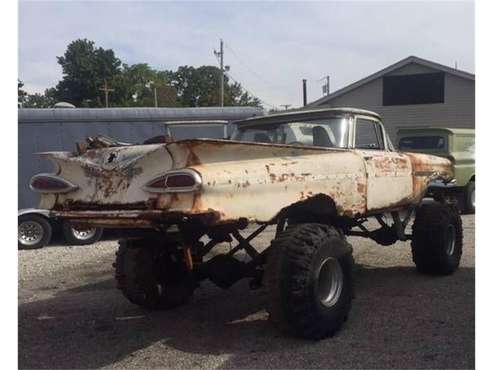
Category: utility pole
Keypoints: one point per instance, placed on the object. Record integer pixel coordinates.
(286, 106)
(220, 54)
(326, 87)
(304, 92)
(155, 97)
(106, 91)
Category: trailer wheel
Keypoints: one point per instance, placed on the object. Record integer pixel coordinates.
(437, 239)
(309, 278)
(80, 236)
(33, 231)
(150, 277)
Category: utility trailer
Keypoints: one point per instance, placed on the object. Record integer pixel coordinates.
(59, 128)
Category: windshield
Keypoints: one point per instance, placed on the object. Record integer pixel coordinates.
(329, 132)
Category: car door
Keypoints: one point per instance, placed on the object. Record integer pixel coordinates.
(389, 173)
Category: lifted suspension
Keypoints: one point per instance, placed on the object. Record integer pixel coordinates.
(224, 269)
(386, 234)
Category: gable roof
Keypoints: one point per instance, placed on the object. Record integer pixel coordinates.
(395, 66)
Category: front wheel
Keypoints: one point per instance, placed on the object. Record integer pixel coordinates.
(309, 280)
(437, 239)
(80, 236)
(33, 231)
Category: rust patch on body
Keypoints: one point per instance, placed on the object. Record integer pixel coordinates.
(361, 188)
(193, 159)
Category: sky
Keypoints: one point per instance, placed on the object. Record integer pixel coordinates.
(269, 46)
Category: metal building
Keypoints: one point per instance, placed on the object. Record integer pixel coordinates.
(411, 92)
(55, 129)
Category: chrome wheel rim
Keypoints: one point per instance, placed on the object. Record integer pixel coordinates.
(83, 234)
(330, 282)
(450, 239)
(30, 233)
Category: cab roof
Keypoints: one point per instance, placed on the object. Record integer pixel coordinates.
(200, 122)
(306, 114)
(427, 129)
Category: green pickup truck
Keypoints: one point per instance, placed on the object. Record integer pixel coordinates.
(456, 144)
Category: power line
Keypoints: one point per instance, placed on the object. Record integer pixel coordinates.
(252, 71)
(220, 57)
(248, 91)
(325, 87)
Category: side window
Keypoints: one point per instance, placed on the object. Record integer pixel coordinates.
(368, 135)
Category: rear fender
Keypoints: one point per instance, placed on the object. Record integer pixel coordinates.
(37, 211)
(319, 208)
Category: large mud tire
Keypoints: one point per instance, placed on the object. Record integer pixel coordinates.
(297, 262)
(437, 239)
(151, 277)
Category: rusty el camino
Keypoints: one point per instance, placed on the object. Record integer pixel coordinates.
(316, 175)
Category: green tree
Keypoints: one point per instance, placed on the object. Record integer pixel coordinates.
(136, 84)
(46, 100)
(21, 94)
(199, 87)
(85, 69)
(236, 95)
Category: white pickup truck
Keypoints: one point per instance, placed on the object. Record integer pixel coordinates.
(316, 175)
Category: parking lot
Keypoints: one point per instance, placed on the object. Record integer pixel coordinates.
(71, 316)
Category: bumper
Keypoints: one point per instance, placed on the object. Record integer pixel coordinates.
(131, 218)
(443, 185)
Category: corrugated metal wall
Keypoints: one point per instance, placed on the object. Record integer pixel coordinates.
(456, 111)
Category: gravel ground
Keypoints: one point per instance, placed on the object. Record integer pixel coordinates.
(71, 316)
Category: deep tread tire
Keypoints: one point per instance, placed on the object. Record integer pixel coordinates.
(149, 277)
(71, 239)
(45, 225)
(469, 204)
(293, 262)
(430, 239)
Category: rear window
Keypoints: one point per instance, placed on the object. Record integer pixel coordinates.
(422, 142)
(204, 131)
